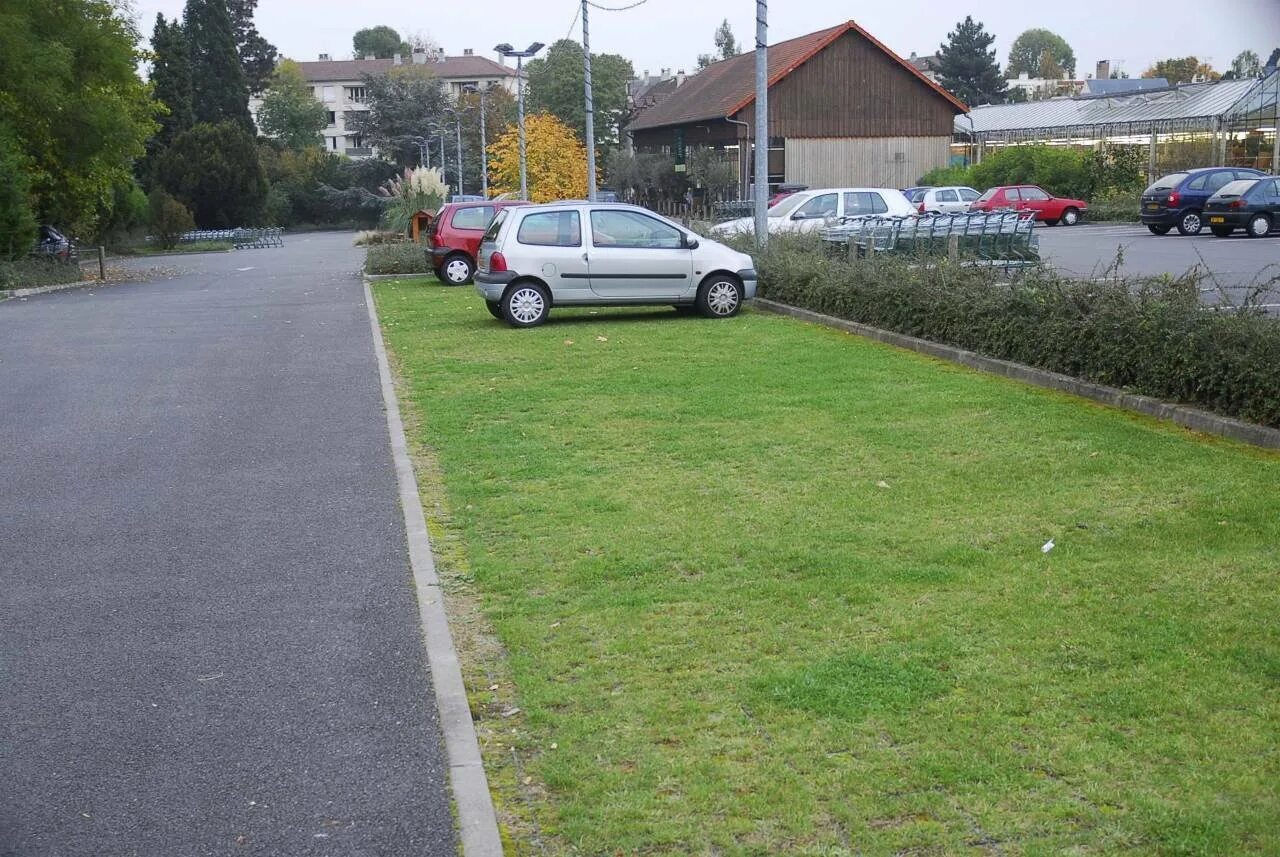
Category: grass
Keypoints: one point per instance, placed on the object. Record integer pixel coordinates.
(757, 587)
(37, 271)
(190, 247)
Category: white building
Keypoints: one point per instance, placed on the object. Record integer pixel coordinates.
(340, 86)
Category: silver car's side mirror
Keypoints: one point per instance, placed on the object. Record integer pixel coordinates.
(690, 242)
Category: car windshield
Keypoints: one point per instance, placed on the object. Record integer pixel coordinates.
(788, 205)
(1168, 182)
(1240, 187)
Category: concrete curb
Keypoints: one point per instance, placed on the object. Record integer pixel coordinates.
(377, 278)
(60, 287)
(477, 820)
(1191, 418)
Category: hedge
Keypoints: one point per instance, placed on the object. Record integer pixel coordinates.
(37, 271)
(397, 259)
(1149, 336)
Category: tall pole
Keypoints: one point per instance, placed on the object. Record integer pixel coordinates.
(762, 123)
(459, 118)
(524, 174)
(484, 152)
(591, 120)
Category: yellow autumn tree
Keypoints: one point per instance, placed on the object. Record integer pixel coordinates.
(556, 160)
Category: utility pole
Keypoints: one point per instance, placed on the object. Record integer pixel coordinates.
(458, 116)
(507, 51)
(591, 120)
(484, 144)
(762, 123)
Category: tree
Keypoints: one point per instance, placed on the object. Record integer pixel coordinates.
(1048, 69)
(403, 106)
(1026, 54)
(257, 55)
(170, 81)
(219, 90)
(726, 46)
(75, 111)
(1119, 74)
(1183, 70)
(557, 160)
(967, 65)
(168, 218)
(1246, 64)
(499, 114)
(17, 220)
(381, 41)
(215, 171)
(556, 84)
(289, 111)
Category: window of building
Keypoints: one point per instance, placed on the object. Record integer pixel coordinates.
(356, 94)
(333, 118)
(329, 95)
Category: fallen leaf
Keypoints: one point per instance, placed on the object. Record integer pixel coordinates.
(493, 687)
(555, 624)
(602, 339)
(1047, 546)
(882, 484)
(555, 746)
(528, 781)
(568, 342)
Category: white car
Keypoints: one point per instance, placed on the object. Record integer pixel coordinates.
(947, 200)
(809, 210)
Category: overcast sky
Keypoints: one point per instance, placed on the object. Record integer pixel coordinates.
(671, 33)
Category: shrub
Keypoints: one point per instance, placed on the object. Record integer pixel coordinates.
(367, 239)
(417, 190)
(1109, 170)
(946, 176)
(169, 219)
(17, 220)
(403, 258)
(1150, 336)
(38, 271)
(216, 171)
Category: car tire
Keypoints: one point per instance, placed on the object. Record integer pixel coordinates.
(1159, 228)
(720, 296)
(495, 309)
(1070, 217)
(1221, 231)
(525, 304)
(1259, 225)
(457, 270)
(1190, 223)
(1051, 222)
(684, 309)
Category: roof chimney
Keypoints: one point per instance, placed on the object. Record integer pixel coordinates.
(680, 77)
(1104, 70)
(371, 56)
(396, 59)
(419, 56)
(324, 58)
(467, 52)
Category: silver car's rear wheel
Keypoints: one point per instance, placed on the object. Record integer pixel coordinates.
(720, 297)
(525, 305)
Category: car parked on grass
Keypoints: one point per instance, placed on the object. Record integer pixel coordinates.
(808, 210)
(945, 200)
(454, 236)
(1048, 208)
(1178, 199)
(1249, 204)
(604, 254)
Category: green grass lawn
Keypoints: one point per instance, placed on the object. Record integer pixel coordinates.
(759, 587)
(189, 247)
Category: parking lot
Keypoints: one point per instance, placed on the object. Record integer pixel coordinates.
(1235, 266)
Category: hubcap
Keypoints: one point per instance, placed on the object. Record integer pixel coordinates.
(1069, 218)
(456, 271)
(526, 305)
(722, 297)
(1191, 222)
(1259, 226)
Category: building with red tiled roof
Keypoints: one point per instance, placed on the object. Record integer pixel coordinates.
(844, 110)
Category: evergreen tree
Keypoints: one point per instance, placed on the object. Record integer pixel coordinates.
(257, 55)
(215, 171)
(381, 41)
(218, 87)
(171, 81)
(967, 65)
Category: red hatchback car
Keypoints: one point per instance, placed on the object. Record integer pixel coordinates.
(455, 236)
(1028, 197)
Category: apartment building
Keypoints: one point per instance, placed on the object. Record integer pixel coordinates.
(339, 85)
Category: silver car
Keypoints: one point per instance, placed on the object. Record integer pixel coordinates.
(604, 254)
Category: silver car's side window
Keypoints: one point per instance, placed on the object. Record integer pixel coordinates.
(551, 229)
(631, 230)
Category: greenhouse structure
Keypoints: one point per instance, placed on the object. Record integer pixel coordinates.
(1224, 123)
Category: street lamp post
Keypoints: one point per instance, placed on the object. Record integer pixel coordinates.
(507, 51)
(484, 144)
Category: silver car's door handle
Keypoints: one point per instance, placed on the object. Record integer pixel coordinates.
(584, 257)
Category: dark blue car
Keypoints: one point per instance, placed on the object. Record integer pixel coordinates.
(1252, 205)
(1178, 199)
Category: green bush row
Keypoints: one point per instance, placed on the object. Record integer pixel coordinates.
(35, 272)
(397, 259)
(1149, 336)
(1078, 173)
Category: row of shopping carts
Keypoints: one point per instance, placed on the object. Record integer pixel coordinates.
(253, 238)
(995, 239)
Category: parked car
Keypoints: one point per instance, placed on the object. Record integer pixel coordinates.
(945, 200)
(604, 254)
(785, 190)
(915, 194)
(1250, 204)
(52, 243)
(809, 210)
(604, 194)
(455, 236)
(1178, 199)
(1028, 197)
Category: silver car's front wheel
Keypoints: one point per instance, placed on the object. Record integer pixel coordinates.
(525, 305)
(720, 297)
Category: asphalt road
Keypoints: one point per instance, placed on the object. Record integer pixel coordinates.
(1233, 266)
(209, 638)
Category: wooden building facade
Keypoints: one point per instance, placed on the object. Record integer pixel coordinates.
(844, 110)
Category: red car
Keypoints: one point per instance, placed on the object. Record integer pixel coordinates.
(455, 236)
(1028, 197)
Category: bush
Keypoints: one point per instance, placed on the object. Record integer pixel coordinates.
(417, 190)
(1115, 207)
(169, 219)
(947, 176)
(38, 271)
(368, 239)
(215, 170)
(17, 220)
(397, 259)
(1150, 336)
(1109, 170)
